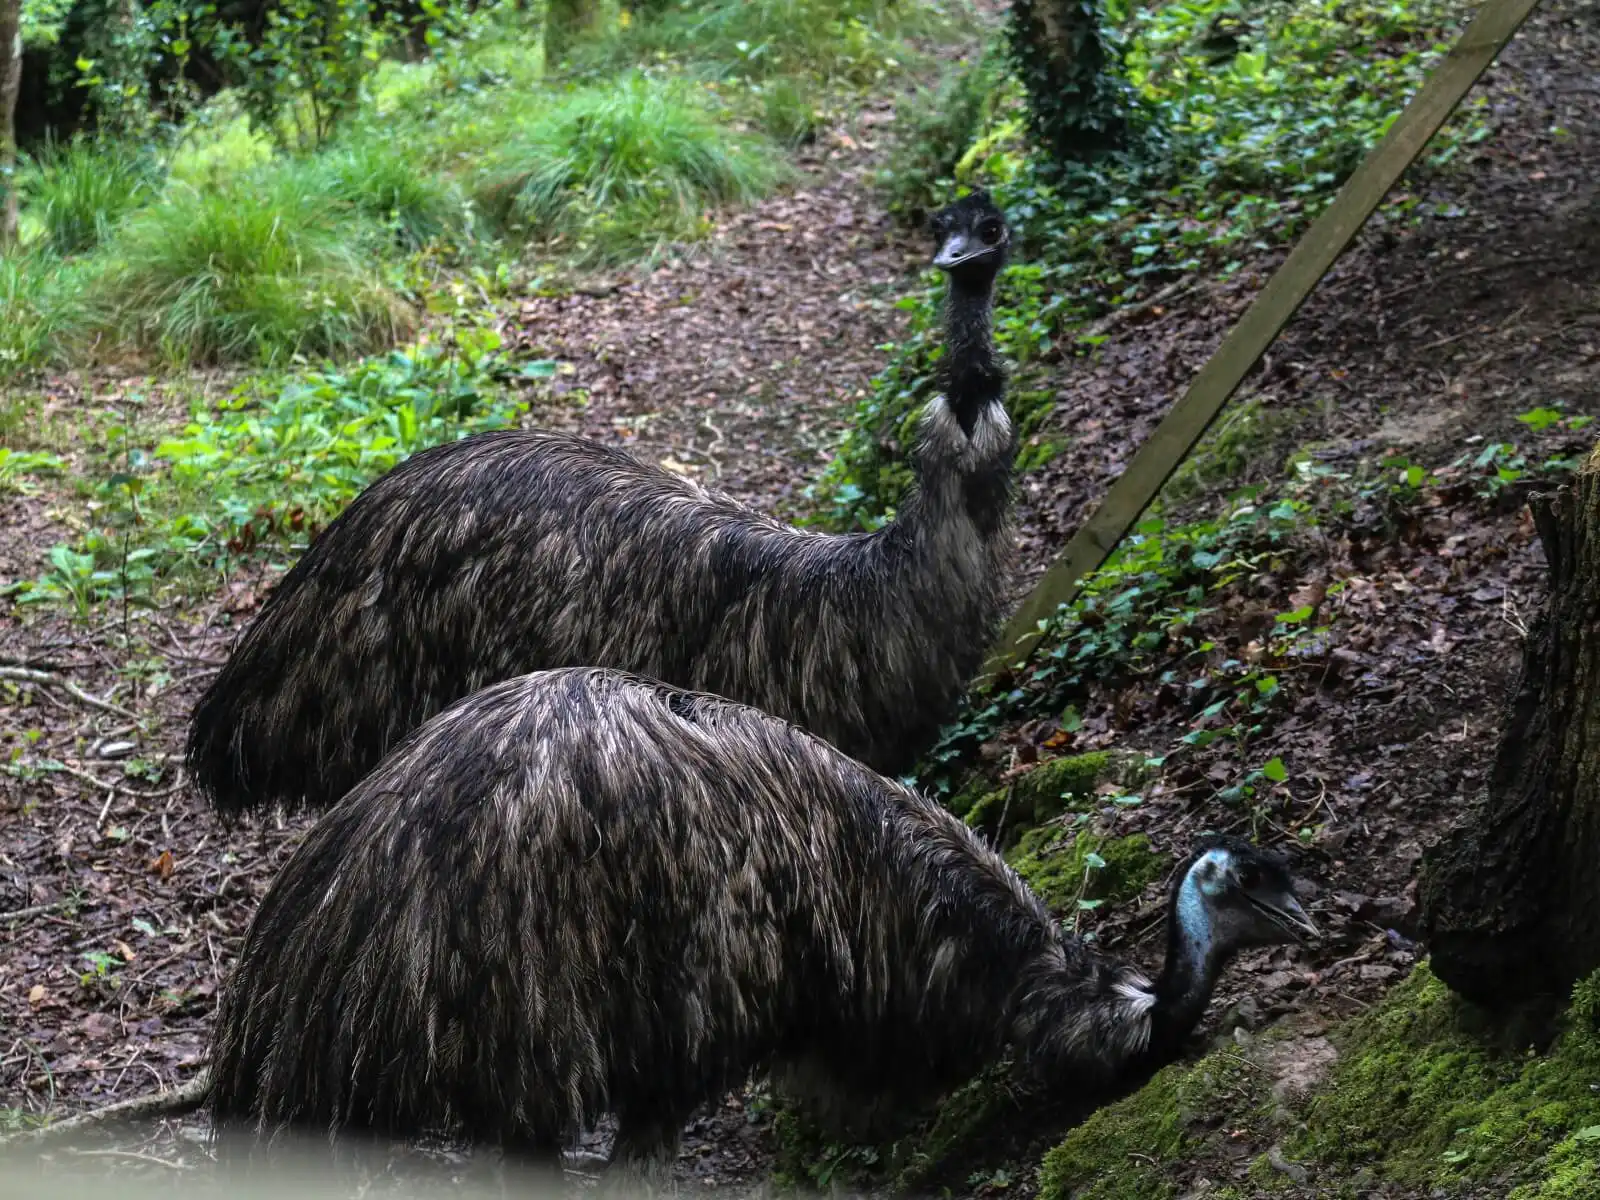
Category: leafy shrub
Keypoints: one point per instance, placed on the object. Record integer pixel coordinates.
(304, 76)
(79, 190)
(610, 170)
(260, 270)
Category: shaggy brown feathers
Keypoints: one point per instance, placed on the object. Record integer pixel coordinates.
(516, 551)
(579, 891)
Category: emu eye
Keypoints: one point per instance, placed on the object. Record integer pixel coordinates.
(990, 232)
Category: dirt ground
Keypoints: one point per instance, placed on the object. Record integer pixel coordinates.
(122, 901)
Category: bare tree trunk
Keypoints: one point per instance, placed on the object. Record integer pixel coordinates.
(1511, 898)
(10, 84)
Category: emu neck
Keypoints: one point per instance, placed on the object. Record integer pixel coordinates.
(1194, 963)
(970, 371)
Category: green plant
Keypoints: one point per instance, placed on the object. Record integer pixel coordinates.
(264, 469)
(1067, 55)
(616, 169)
(42, 309)
(258, 271)
(789, 112)
(79, 190)
(15, 465)
(304, 76)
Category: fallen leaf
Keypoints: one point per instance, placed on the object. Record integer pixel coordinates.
(163, 866)
(36, 995)
(126, 950)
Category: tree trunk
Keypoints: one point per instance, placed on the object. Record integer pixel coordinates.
(1077, 102)
(1511, 898)
(10, 84)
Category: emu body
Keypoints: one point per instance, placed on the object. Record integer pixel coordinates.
(578, 891)
(510, 552)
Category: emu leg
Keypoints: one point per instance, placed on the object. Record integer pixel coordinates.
(1511, 897)
(643, 1155)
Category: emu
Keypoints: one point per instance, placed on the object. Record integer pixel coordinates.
(515, 551)
(579, 891)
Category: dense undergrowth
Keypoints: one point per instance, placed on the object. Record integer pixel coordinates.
(258, 232)
(257, 228)
(1237, 154)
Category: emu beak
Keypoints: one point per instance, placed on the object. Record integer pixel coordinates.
(957, 249)
(1286, 913)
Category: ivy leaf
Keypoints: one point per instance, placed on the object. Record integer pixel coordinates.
(1275, 770)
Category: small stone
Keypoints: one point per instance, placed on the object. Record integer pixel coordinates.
(116, 749)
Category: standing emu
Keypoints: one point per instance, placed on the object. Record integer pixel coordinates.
(517, 551)
(579, 891)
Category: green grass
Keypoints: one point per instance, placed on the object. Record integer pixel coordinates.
(856, 42)
(381, 181)
(613, 171)
(41, 309)
(267, 268)
(78, 191)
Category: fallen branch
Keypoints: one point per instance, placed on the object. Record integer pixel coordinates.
(175, 1103)
(46, 678)
(1127, 312)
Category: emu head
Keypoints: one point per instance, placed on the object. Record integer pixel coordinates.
(1233, 895)
(973, 239)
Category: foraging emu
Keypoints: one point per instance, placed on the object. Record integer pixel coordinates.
(517, 551)
(580, 891)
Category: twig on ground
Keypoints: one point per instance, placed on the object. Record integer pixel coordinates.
(36, 910)
(177, 1102)
(133, 1154)
(50, 679)
(1118, 315)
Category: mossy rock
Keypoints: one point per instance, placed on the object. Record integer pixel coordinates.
(1055, 862)
(1135, 1149)
(1428, 1093)
(1052, 788)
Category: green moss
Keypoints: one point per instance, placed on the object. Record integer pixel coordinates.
(1044, 793)
(1133, 1150)
(963, 1122)
(1055, 861)
(1427, 1093)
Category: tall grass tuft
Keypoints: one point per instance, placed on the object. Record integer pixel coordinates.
(41, 309)
(610, 170)
(78, 191)
(389, 187)
(259, 270)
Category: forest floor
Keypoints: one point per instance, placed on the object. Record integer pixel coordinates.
(122, 901)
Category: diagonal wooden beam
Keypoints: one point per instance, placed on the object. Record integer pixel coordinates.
(1480, 43)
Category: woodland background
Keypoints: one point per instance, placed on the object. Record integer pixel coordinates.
(255, 254)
